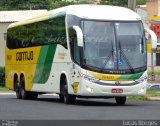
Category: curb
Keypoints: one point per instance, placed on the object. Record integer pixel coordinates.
(154, 98)
(5, 93)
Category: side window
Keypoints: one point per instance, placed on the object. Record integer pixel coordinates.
(75, 50)
(11, 38)
(40, 38)
(51, 31)
(33, 34)
(17, 37)
(57, 31)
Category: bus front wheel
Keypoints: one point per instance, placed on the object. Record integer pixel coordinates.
(67, 98)
(120, 100)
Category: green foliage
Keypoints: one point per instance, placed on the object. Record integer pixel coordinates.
(121, 2)
(57, 4)
(32, 4)
(51, 4)
(150, 93)
(141, 2)
(25, 4)
(138, 98)
(84, 2)
(115, 2)
(2, 76)
(2, 69)
(3, 89)
(154, 73)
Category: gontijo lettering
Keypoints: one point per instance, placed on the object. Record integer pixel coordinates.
(23, 56)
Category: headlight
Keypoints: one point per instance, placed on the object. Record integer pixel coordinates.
(142, 79)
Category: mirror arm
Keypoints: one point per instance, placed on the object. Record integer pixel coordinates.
(79, 35)
(153, 38)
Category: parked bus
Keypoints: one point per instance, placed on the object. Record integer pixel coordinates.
(87, 51)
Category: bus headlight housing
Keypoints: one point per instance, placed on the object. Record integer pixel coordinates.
(142, 79)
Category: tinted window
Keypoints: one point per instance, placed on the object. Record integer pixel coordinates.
(41, 33)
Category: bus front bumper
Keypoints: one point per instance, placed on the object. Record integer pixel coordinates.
(88, 88)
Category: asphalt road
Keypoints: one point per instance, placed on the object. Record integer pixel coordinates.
(50, 108)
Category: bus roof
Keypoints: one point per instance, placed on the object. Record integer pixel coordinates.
(98, 12)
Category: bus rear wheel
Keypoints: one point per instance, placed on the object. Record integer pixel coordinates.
(26, 94)
(17, 88)
(33, 95)
(120, 100)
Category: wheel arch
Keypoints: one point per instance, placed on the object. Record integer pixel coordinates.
(15, 77)
(62, 77)
(22, 77)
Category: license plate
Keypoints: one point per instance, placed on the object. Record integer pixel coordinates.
(117, 90)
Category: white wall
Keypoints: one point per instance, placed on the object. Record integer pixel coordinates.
(158, 7)
(3, 29)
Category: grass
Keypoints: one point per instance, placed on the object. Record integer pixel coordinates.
(154, 73)
(150, 93)
(2, 78)
(4, 90)
(138, 98)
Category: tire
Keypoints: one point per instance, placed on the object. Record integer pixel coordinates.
(25, 94)
(33, 95)
(67, 98)
(61, 97)
(17, 89)
(120, 100)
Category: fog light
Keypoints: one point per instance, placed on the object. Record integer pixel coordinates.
(89, 89)
(142, 91)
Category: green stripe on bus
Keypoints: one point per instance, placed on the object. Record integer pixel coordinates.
(131, 76)
(44, 64)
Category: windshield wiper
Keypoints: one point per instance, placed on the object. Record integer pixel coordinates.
(126, 59)
(107, 58)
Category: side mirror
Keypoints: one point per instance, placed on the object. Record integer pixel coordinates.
(79, 35)
(153, 38)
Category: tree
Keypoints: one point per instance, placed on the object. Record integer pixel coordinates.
(24, 4)
(121, 2)
(32, 4)
(52, 4)
(59, 3)
(84, 2)
(115, 2)
(36, 4)
(141, 2)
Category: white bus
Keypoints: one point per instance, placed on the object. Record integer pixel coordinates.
(87, 51)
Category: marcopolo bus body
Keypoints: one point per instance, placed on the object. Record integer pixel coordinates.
(78, 51)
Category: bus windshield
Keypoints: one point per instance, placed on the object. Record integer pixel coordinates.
(114, 47)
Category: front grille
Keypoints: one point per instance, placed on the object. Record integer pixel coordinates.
(116, 83)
